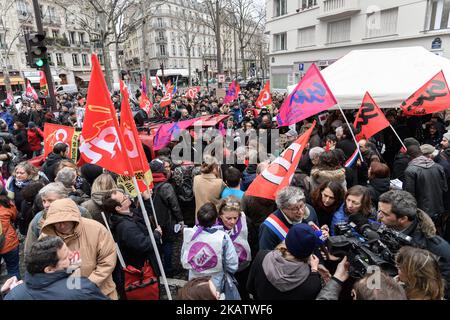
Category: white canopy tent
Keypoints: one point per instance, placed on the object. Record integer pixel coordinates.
(389, 75)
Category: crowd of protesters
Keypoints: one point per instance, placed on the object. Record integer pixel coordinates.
(233, 245)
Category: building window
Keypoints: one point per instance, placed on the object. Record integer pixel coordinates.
(382, 23)
(75, 60)
(339, 31)
(279, 42)
(174, 51)
(307, 37)
(160, 22)
(85, 59)
(100, 58)
(439, 15)
(279, 8)
(55, 33)
(59, 59)
(22, 7)
(306, 4)
(162, 50)
(81, 37)
(72, 37)
(181, 51)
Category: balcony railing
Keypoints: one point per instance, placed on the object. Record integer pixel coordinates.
(52, 20)
(159, 40)
(333, 9)
(61, 64)
(158, 25)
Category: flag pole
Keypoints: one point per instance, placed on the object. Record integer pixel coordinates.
(152, 238)
(396, 134)
(119, 253)
(351, 131)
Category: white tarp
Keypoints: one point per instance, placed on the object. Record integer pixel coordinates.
(389, 75)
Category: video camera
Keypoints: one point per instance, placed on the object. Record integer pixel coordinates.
(366, 244)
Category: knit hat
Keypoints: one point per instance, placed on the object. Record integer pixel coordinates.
(31, 124)
(291, 133)
(90, 172)
(301, 240)
(157, 166)
(427, 149)
(447, 135)
(411, 141)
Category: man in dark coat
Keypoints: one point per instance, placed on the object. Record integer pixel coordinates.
(402, 159)
(48, 276)
(399, 211)
(426, 181)
(443, 158)
(60, 152)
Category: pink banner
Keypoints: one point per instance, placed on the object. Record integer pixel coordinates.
(310, 96)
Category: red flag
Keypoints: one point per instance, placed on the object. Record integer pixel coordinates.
(9, 98)
(168, 84)
(101, 141)
(433, 96)
(264, 98)
(310, 96)
(145, 103)
(280, 172)
(158, 82)
(192, 92)
(55, 133)
(369, 119)
(30, 92)
(167, 99)
(43, 83)
(132, 143)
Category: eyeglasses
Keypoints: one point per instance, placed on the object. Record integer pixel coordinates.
(299, 207)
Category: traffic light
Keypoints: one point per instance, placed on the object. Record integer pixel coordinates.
(37, 51)
(206, 68)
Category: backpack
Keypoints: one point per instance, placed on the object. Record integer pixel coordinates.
(183, 183)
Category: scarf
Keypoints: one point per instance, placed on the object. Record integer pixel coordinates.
(159, 177)
(21, 184)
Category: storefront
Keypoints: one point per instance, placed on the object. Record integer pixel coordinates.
(16, 81)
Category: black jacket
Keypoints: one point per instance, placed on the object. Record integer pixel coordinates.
(21, 140)
(167, 209)
(399, 166)
(348, 146)
(377, 187)
(133, 239)
(50, 164)
(426, 181)
(262, 289)
(54, 286)
(423, 234)
(444, 160)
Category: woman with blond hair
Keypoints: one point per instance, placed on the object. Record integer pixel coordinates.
(208, 185)
(418, 271)
(103, 184)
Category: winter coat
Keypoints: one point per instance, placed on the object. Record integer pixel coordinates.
(319, 176)
(132, 236)
(167, 209)
(272, 277)
(207, 188)
(423, 234)
(8, 119)
(35, 227)
(377, 187)
(53, 286)
(346, 145)
(340, 216)
(21, 140)
(38, 117)
(248, 176)
(331, 290)
(93, 241)
(257, 209)
(7, 217)
(14, 190)
(50, 165)
(35, 137)
(94, 206)
(426, 181)
(268, 239)
(444, 160)
(399, 166)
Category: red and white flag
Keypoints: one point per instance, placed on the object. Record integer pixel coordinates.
(9, 98)
(145, 103)
(192, 92)
(264, 98)
(167, 99)
(101, 142)
(30, 92)
(370, 119)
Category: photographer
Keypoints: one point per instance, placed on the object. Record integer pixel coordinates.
(398, 210)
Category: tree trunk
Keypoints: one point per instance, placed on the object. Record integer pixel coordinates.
(219, 46)
(6, 79)
(189, 68)
(244, 68)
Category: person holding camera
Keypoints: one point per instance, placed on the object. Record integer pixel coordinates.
(398, 210)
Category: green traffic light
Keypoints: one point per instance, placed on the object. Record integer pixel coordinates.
(39, 63)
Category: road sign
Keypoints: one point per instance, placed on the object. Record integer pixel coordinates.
(221, 78)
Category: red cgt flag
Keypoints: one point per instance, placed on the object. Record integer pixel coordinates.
(369, 119)
(145, 103)
(30, 92)
(264, 98)
(280, 172)
(192, 92)
(167, 99)
(43, 83)
(55, 133)
(433, 96)
(133, 144)
(101, 141)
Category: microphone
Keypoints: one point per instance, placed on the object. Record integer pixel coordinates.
(363, 226)
(318, 233)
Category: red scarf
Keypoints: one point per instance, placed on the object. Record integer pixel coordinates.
(159, 177)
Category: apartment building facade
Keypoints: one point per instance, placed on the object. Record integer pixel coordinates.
(302, 32)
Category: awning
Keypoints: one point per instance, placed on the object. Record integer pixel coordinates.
(14, 81)
(34, 77)
(84, 77)
(173, 72)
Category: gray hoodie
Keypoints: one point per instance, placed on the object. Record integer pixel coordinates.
(283, 274)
